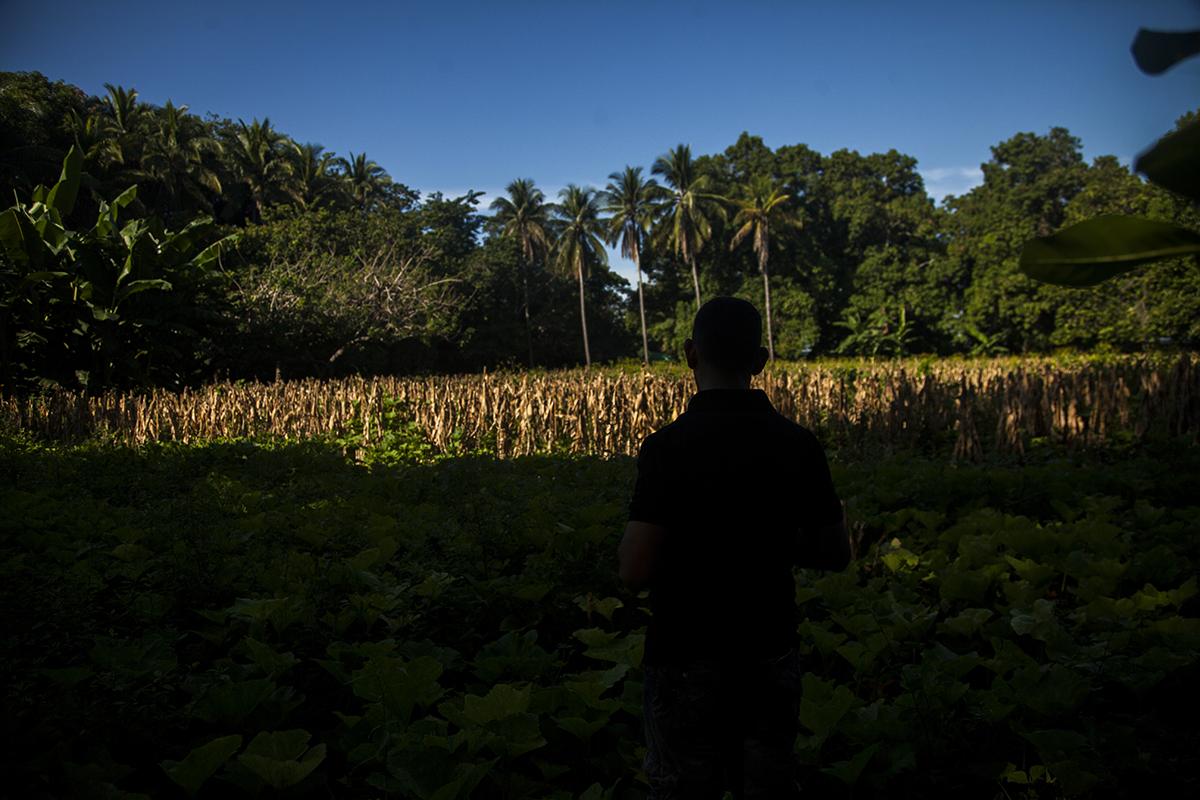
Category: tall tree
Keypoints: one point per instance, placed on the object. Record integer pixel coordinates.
(762, 202)
(633, 205)
(524, 216)
(580, 244)
(314, 178)
(367, 180)
(178, 156)
(260, 163)
(687, 224)
(123, 124)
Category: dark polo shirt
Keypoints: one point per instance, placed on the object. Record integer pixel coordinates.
(742, 492)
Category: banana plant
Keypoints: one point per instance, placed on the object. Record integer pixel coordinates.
(74, 295)
(1097, 249)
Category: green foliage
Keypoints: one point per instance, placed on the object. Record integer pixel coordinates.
(1095, 250)
(201, 763)
(301, 297)
(110, 306)
(237, 617)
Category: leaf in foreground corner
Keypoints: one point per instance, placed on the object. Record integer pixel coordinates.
(1155, 52)
(1174, 161)
(1097, 249)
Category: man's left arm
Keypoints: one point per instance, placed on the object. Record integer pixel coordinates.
(641, 547)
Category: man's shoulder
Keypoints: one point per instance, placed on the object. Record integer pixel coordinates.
(683, 427)
(795, 428)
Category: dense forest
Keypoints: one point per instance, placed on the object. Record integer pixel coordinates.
(327, 265)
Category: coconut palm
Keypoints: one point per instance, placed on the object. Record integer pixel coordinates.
(313, 176)
(687, 224)
(580, 244)
(178, 156)
(633, 204)
(259, 158)
(365, 179)
(761, 203)
(123, 118)
(92, 137)
(524, 217)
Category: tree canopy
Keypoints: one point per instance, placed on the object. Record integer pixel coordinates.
(856, 256)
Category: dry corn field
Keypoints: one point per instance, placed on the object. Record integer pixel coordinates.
(971, 406)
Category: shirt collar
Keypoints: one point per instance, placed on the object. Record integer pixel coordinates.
(731, 401)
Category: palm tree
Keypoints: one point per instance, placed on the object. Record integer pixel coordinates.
(579, 244)
(686, 225)
(762, 202)
(259, 155)
(175, 157)
(124, 115)
(365, 178)
(633, 204)
(92, 137)
(523, 216)
(314, 180)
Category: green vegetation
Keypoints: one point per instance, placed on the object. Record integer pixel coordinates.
(1095, 250)
(340, 268)
(232, 618)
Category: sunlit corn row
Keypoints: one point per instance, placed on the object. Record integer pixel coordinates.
(970, 406)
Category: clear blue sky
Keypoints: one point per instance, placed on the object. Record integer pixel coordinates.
(455, 96)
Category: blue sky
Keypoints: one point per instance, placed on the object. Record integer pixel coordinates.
(455, 96)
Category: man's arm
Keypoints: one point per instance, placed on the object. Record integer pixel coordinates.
(823, 542)
(638, 553)
(639, 550)
(824, 546)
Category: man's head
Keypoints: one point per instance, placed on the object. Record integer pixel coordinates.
(726, 344)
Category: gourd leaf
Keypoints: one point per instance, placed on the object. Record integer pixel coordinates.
(1097, 249)
(848, 772)
(201, 763)
(504, 700)
(280, 758)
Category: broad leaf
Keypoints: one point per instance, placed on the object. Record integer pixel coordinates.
(133, 287)
(201, 763)
(848, 772)
(1174, 161)
(1097, 249)
(13, 237)
(280, 759)
(62, 197)
(1155, 52)
(504, 700)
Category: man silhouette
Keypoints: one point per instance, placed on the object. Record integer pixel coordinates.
(728, 498)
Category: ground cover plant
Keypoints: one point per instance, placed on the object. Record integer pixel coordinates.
(263, 618)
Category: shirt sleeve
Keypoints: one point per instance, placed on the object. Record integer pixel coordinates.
(826, 506)
(822, 543)
(650, 495)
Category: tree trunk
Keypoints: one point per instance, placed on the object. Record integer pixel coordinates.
(695, 280)
(767, 301)
(587, 353)
(528, 325)
(637, 263)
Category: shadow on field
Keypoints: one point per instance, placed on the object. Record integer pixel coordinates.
(401, 626)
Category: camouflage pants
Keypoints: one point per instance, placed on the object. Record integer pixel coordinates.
(710, 729)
